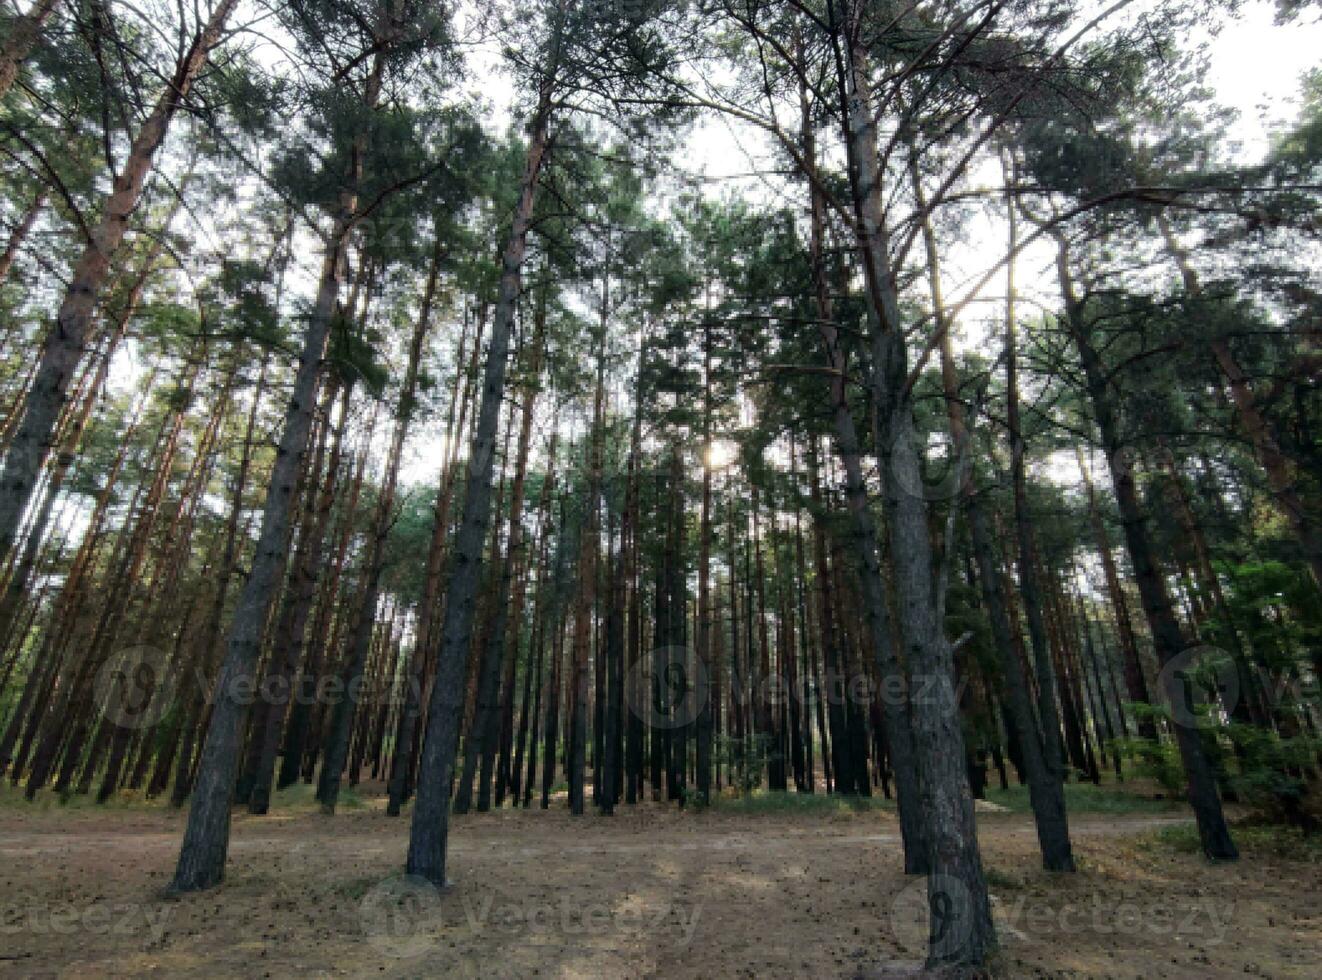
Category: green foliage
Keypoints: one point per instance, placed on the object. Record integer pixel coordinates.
(1085, 797)
(240, 303)
(1259, 841)
(1155, 760)
(1270, 772)
(771, 803)
(746, 759)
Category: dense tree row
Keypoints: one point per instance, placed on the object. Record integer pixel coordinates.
(348, 437)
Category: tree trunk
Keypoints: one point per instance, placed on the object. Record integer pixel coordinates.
(408, 729)
(1045, 791)
(206, 839)
(291, 625)
(955, 876)
(1026, 557)
(1167, 637)
(337, 749)
(428, 833)
(585, 606)
(895, 713)
(1135, 682)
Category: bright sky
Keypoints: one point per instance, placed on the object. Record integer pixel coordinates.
(1256, 67)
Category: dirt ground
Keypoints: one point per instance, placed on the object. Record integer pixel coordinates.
(652, 891)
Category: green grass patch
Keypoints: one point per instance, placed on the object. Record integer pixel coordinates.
(762, 801)
(47, 799)
(1088, 798)
(301, 795)
(1253, 840)
(999, 879)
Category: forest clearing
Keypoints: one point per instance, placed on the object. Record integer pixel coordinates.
(660, 487)
(775, 892)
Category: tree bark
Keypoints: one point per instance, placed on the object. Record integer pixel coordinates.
(1135, 683)
(896, 716)
(1045, 791)
(1026, 557)
(1167, 637)
(428, 833)
(955, 875)
(206, 839)
(342, 717)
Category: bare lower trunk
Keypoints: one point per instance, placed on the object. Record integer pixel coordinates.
(956, 883)
(206, 839)
(1167, 637)
(428, 833)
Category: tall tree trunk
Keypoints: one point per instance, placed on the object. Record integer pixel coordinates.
(1167, 637)
(585, 606)
(342, 717)
(954, 867)
(1045, 791)
(410, 722)
(291, 624)
(206, 839)
(428, 833)
(1135, 682)
(508, 622)
(1026, 557)
(895, 713)
(529, 712)
(560, 583)
(704, 719)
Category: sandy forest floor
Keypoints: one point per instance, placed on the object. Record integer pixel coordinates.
(650, 892)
